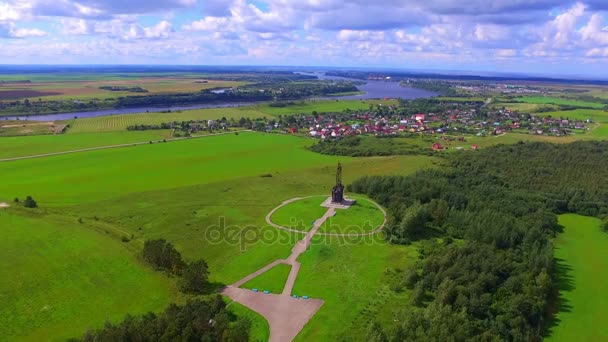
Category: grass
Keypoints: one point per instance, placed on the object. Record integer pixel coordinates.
(559, 101)
(353, 277)
(362, 217)
(183, 192)
(308, 107)
(121, 122)
(272, 280)
(300, 214)
(260, 331)
(580, 254)
(41, 144)
(60, 278)
(109, 173)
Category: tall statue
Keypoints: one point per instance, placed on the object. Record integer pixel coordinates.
(337, 193)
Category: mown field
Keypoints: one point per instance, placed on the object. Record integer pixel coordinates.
(272, 280)
(581, 256)
(121, 122)
(182, 192)
(322, 106)
(11, 147)
(559, 101)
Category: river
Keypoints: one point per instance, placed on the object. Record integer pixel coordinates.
(372, 89)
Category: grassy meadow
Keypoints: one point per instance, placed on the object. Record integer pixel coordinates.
(121, 122)
(61, 278)
(40, 144)
(181, 191)
(581, 257)
(559, 101)
(300, 214)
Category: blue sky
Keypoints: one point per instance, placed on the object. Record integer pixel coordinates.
(548, 37)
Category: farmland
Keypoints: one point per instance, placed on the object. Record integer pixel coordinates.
(559, 101)
(85, 88)
(580, 252)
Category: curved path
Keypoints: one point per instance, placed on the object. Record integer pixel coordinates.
(287, 315)
(291, 200)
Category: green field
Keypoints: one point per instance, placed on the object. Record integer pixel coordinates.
(300, 214)
(272, 280)
(322, 106)
(121, 122)
(559, 101)
(353, 277)
(61, 278)
(179, 191)
(260, 331)
(362, 217)
(41, 144)
(581, 257)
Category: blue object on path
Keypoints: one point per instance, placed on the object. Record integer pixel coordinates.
(295, 296)
(305, 297)
(254, 290)
(266, 291)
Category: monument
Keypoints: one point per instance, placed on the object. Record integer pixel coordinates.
(337, 193)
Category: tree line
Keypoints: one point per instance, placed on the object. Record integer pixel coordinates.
(486, 221)
(197, 320)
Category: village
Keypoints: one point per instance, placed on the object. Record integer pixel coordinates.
(456, 122)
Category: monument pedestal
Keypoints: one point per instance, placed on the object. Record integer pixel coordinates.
(345, 204)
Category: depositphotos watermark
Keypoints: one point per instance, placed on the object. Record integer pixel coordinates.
(246, 236)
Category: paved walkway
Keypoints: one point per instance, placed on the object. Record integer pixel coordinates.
(115, 146)
(373, 232)
(285, 315)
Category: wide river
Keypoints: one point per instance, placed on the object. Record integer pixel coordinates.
(372, 89)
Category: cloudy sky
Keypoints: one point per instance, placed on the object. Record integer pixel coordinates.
(539, 36)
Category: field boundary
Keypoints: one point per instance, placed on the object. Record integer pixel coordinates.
(291, 200)
(117, 146)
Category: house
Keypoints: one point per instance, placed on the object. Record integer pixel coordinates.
(419, 117)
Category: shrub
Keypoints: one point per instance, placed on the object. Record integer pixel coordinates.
(30, 203)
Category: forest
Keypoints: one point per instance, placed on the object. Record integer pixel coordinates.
(486, 222)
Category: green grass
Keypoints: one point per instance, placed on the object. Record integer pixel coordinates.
(41, 144)
(362, 217)
(60, 278)
(183, 192)
(121, 122)
(103, 174)
(581, 256)
(559, 101)
(260, 331)
(580, 114)
(353, 277)
(308, 107)
(272, 280)
(300, 214)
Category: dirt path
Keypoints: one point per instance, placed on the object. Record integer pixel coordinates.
(373, 232)
(114, 146)
(4, 205)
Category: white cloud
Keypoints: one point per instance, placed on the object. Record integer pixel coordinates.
(208, 24)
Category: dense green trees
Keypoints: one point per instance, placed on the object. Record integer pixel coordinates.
(163, 256)
(195, 277)
(491, 275)
(197, 320)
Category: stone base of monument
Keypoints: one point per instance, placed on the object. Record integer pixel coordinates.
(341, 205)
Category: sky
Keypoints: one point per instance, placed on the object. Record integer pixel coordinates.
(543, 37)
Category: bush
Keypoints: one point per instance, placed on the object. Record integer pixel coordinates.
(30, 203)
